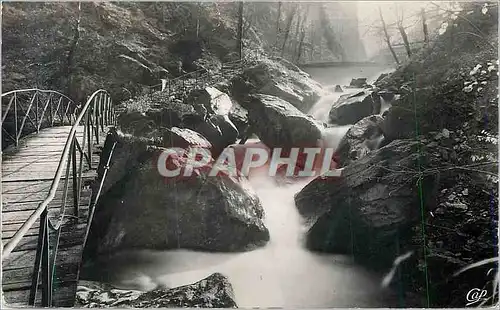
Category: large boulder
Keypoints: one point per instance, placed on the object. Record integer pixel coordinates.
(360, 139)
(215, 101)
(372, 206)
(184, 138)
(215, 291)
(239, 117)
(279, 124)
(219, 130)
(280, 79)
(148, 114)
(143, 209)
(351, 108)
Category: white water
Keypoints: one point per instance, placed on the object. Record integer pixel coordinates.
(281, 274)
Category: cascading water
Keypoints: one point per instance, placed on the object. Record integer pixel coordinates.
(281, 274)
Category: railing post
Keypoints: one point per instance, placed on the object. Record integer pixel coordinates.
(36, 111)
(46, 270)
(96, 120)
(15, 119)
(42, 232)
(76, 198)
(88, 127)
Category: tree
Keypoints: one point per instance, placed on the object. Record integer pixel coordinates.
(424, 28)
(289, 20)
(240, 30)
(302, 36)
(402, 31)
(386, 34)
(74, 45)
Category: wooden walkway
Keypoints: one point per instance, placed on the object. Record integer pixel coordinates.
(27, 174)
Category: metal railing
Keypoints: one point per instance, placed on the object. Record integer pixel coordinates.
(29, 110)
(200, 77)
(95, 115)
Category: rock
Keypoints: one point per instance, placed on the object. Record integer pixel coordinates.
(350, 109)
(360, 139)
(380, 78)
(274, 78)
(145, 115)
(215, 101)
(338, 89)
(279, 124)
(220, 131)
(375, 202)
(215, 291)
(143, 209)
(358, 83)
(239, 117)
(184, 138)
(387, 95)
(398, 123)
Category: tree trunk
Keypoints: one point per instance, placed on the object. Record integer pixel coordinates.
(405, 38)
(198, 20)
(287, 30)
(293, 47)
(299, 49)
(72, 50)
(240, 30)
(302, 36)
(387, 39)
(278, 26)
(424, 28)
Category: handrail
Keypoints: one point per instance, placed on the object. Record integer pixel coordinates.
(14, 241)
(35, 89)
(185, 75)
(41, 108)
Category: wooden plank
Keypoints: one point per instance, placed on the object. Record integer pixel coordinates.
(13, 198)
(22, 177)
(71, 236)
(63, 296)
(18, 279)
(21, 259)
(33, 205)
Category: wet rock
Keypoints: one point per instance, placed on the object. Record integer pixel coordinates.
(381, 77)
(387, 95)
(273, 78)
(373, 204)
(279, 124)
(145, 115)
(338, 89)
(239, 117)
(215, 101)
(350, 109)
(358, 83)
(215, 291)
(144, 209)
(184, 138)
(219, 131)
(362, 138)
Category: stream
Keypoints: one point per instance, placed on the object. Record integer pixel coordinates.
(281, 274)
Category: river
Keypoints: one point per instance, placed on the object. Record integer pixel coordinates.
(281, 274)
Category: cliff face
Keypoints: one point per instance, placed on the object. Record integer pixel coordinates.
(119, 46)
(127, 46)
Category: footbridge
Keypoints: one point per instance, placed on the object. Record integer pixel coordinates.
(51, 150)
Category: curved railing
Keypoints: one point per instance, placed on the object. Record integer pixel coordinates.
(28, 110)
(95, 115)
